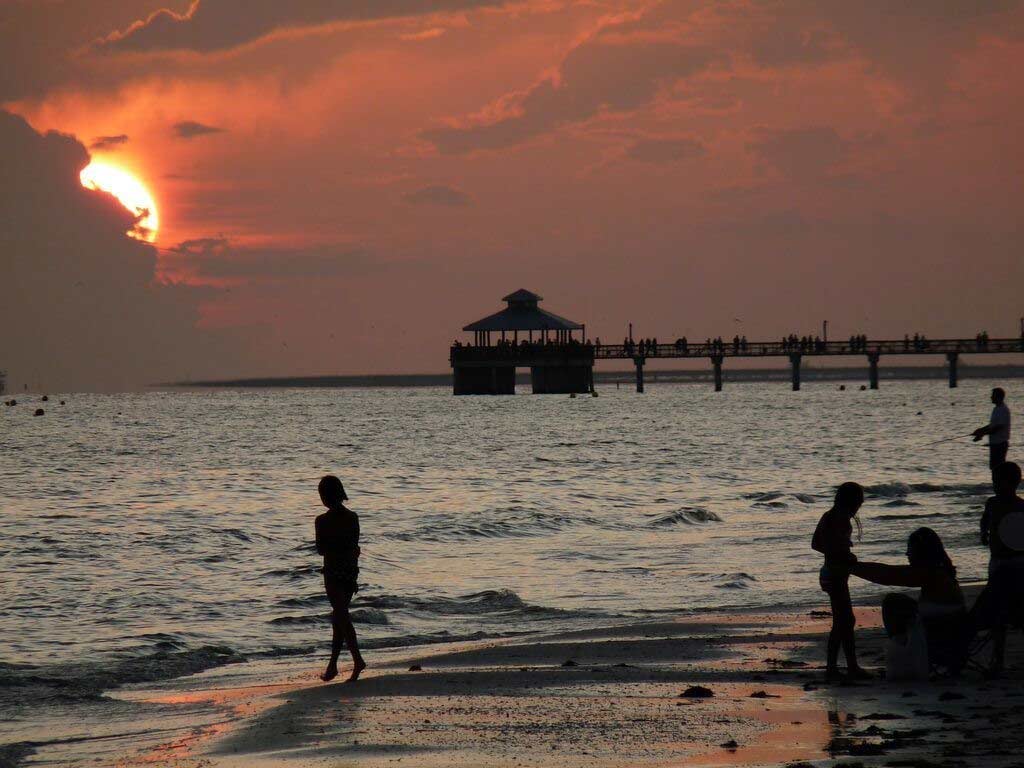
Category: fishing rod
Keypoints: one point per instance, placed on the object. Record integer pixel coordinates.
(948, 439)
(364, 553)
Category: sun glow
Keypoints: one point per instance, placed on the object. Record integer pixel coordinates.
(130, 191)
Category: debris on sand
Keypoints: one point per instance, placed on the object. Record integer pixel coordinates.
(764, 695)
(697, 692)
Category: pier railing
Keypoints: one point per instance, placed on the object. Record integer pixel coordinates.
(825, 348)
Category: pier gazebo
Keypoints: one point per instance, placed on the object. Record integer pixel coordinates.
(529, 337)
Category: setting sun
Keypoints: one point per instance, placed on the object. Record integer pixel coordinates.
(130, 191)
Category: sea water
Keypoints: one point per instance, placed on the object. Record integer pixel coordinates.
(150, 536)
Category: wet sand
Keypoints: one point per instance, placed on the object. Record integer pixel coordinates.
(615, 697)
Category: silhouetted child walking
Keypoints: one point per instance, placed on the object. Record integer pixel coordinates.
(337, 539)
(833, 539)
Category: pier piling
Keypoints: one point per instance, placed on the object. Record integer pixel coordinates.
(795, 362)
(873, 371)
(639, 362)
(953, 358)
(716, 360)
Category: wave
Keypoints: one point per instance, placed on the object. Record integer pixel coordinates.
(365, 616)
(764, 496)
(926, 515)
(509, 524)
(26, 684)
(686, 516)
(488, 602)
(898, 490)
(739, 580)
(23, 686)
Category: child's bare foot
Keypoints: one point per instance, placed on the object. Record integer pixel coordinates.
(859, 673)
(357, 669)
(331, 672)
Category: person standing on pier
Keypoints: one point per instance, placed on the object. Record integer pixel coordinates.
(998, 430)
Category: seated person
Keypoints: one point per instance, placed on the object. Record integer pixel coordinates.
(940, 605)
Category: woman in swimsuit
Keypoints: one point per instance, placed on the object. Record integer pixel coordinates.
(337, 539)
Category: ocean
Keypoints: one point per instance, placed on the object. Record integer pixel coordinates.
(145, 537)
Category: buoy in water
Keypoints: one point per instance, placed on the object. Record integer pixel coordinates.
(45, 398)
(572, 394)
(842, 387)
(862, 388)
(62, 402)
(39, 412)
(593, 394)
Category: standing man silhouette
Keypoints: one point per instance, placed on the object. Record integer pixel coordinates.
(998, 430)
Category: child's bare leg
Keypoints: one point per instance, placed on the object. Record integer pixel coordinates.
(336, 641)
(349, 632)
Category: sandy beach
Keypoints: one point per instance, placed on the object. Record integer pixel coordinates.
(727, 689)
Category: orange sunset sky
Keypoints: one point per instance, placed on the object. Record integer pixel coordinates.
(343, 184)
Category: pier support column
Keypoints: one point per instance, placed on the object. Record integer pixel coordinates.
(873, 371)
(953, 358)
(639, 362)
(716, 361)
(795, 362)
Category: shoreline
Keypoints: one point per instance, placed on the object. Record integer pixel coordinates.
(607, 696)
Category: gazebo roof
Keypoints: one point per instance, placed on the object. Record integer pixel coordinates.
(521, 296)
(523, 314)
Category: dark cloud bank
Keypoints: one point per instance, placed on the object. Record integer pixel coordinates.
(79, 300)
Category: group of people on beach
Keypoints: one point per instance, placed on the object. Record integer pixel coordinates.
(940, 613)
(939, 618)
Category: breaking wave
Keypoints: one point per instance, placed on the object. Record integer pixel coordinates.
(686, 516)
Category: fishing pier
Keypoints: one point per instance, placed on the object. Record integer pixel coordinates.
(525, 336)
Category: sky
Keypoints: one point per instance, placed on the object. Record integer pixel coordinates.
(343, 184)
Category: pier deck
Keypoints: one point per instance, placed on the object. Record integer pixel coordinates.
(575, 355)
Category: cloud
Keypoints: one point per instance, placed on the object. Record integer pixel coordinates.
(106, 143)
(78, 296)
(212, 25)
(218, 259)
(438, 195)
(190, 129)
(665, 150)
(602, 74)
(802, 153)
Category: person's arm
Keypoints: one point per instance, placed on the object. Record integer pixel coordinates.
(988, 429)
(358, 549)
(891, 575)
(986, 522)
(320, 544)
